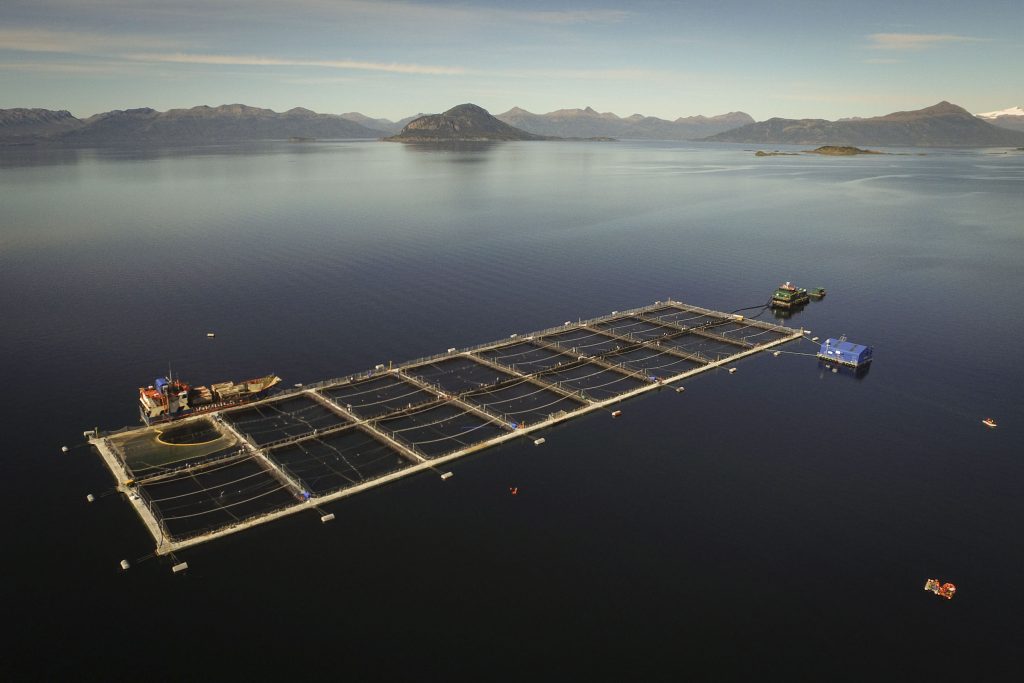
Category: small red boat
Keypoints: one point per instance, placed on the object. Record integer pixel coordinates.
(943, 590)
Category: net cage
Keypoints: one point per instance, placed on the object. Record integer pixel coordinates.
(237, 465)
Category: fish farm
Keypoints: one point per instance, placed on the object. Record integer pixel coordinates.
(208, 475)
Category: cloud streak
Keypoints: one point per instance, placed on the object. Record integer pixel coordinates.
(567, 17)
(77, 42)
(390, 11)
(254, 60)
(394, 67)
(136, 48)
(610, 74)
(68, 68)
(915, 42)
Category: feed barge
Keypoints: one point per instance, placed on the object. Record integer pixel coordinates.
(208, 475)
(846, 353)
(788, 296)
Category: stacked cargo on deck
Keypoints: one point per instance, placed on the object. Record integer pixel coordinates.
(170, 398)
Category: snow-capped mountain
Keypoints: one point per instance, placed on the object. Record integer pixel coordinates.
(1012, 111)
(1012, 118)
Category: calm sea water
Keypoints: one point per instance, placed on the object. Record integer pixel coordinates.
(779, 522)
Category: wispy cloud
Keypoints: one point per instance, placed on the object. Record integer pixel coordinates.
(78, 42)
(416, 12)
(254, 60)
(137, 48)
(395, 67)
(317, 80)
(388, 13)
(588, 74)
(75, 68)
(916, 41)
(604, 16)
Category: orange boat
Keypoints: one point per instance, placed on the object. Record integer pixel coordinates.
(943, 590)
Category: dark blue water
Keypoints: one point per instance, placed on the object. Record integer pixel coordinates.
(775, 523)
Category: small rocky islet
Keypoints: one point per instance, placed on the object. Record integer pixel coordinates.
(827, 150)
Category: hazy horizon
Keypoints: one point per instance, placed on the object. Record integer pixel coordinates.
(393, 59)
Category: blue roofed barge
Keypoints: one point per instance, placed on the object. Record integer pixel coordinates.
(845, 353)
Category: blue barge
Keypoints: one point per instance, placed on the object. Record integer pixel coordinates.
(845, 353)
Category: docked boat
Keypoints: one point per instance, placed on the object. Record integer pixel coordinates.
(816, 292)
(789, 295)
(169, 398)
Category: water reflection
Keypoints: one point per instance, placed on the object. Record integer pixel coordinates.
(828, 367)
(454, 152)
(27, 156)
(24, 156)
(787, 313)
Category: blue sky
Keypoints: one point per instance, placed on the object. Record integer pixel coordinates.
(393, 59)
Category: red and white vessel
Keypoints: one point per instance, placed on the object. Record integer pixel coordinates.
(168, 398)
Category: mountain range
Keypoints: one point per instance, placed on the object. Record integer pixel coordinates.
(385, 125)
(236, 122)
(585, 123)
(33, 123)
(941, 125)
(1012, 118)
(198, 125)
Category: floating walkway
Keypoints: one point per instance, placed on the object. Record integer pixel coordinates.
(214, 474)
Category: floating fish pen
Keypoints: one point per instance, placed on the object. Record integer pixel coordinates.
(209, 475)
